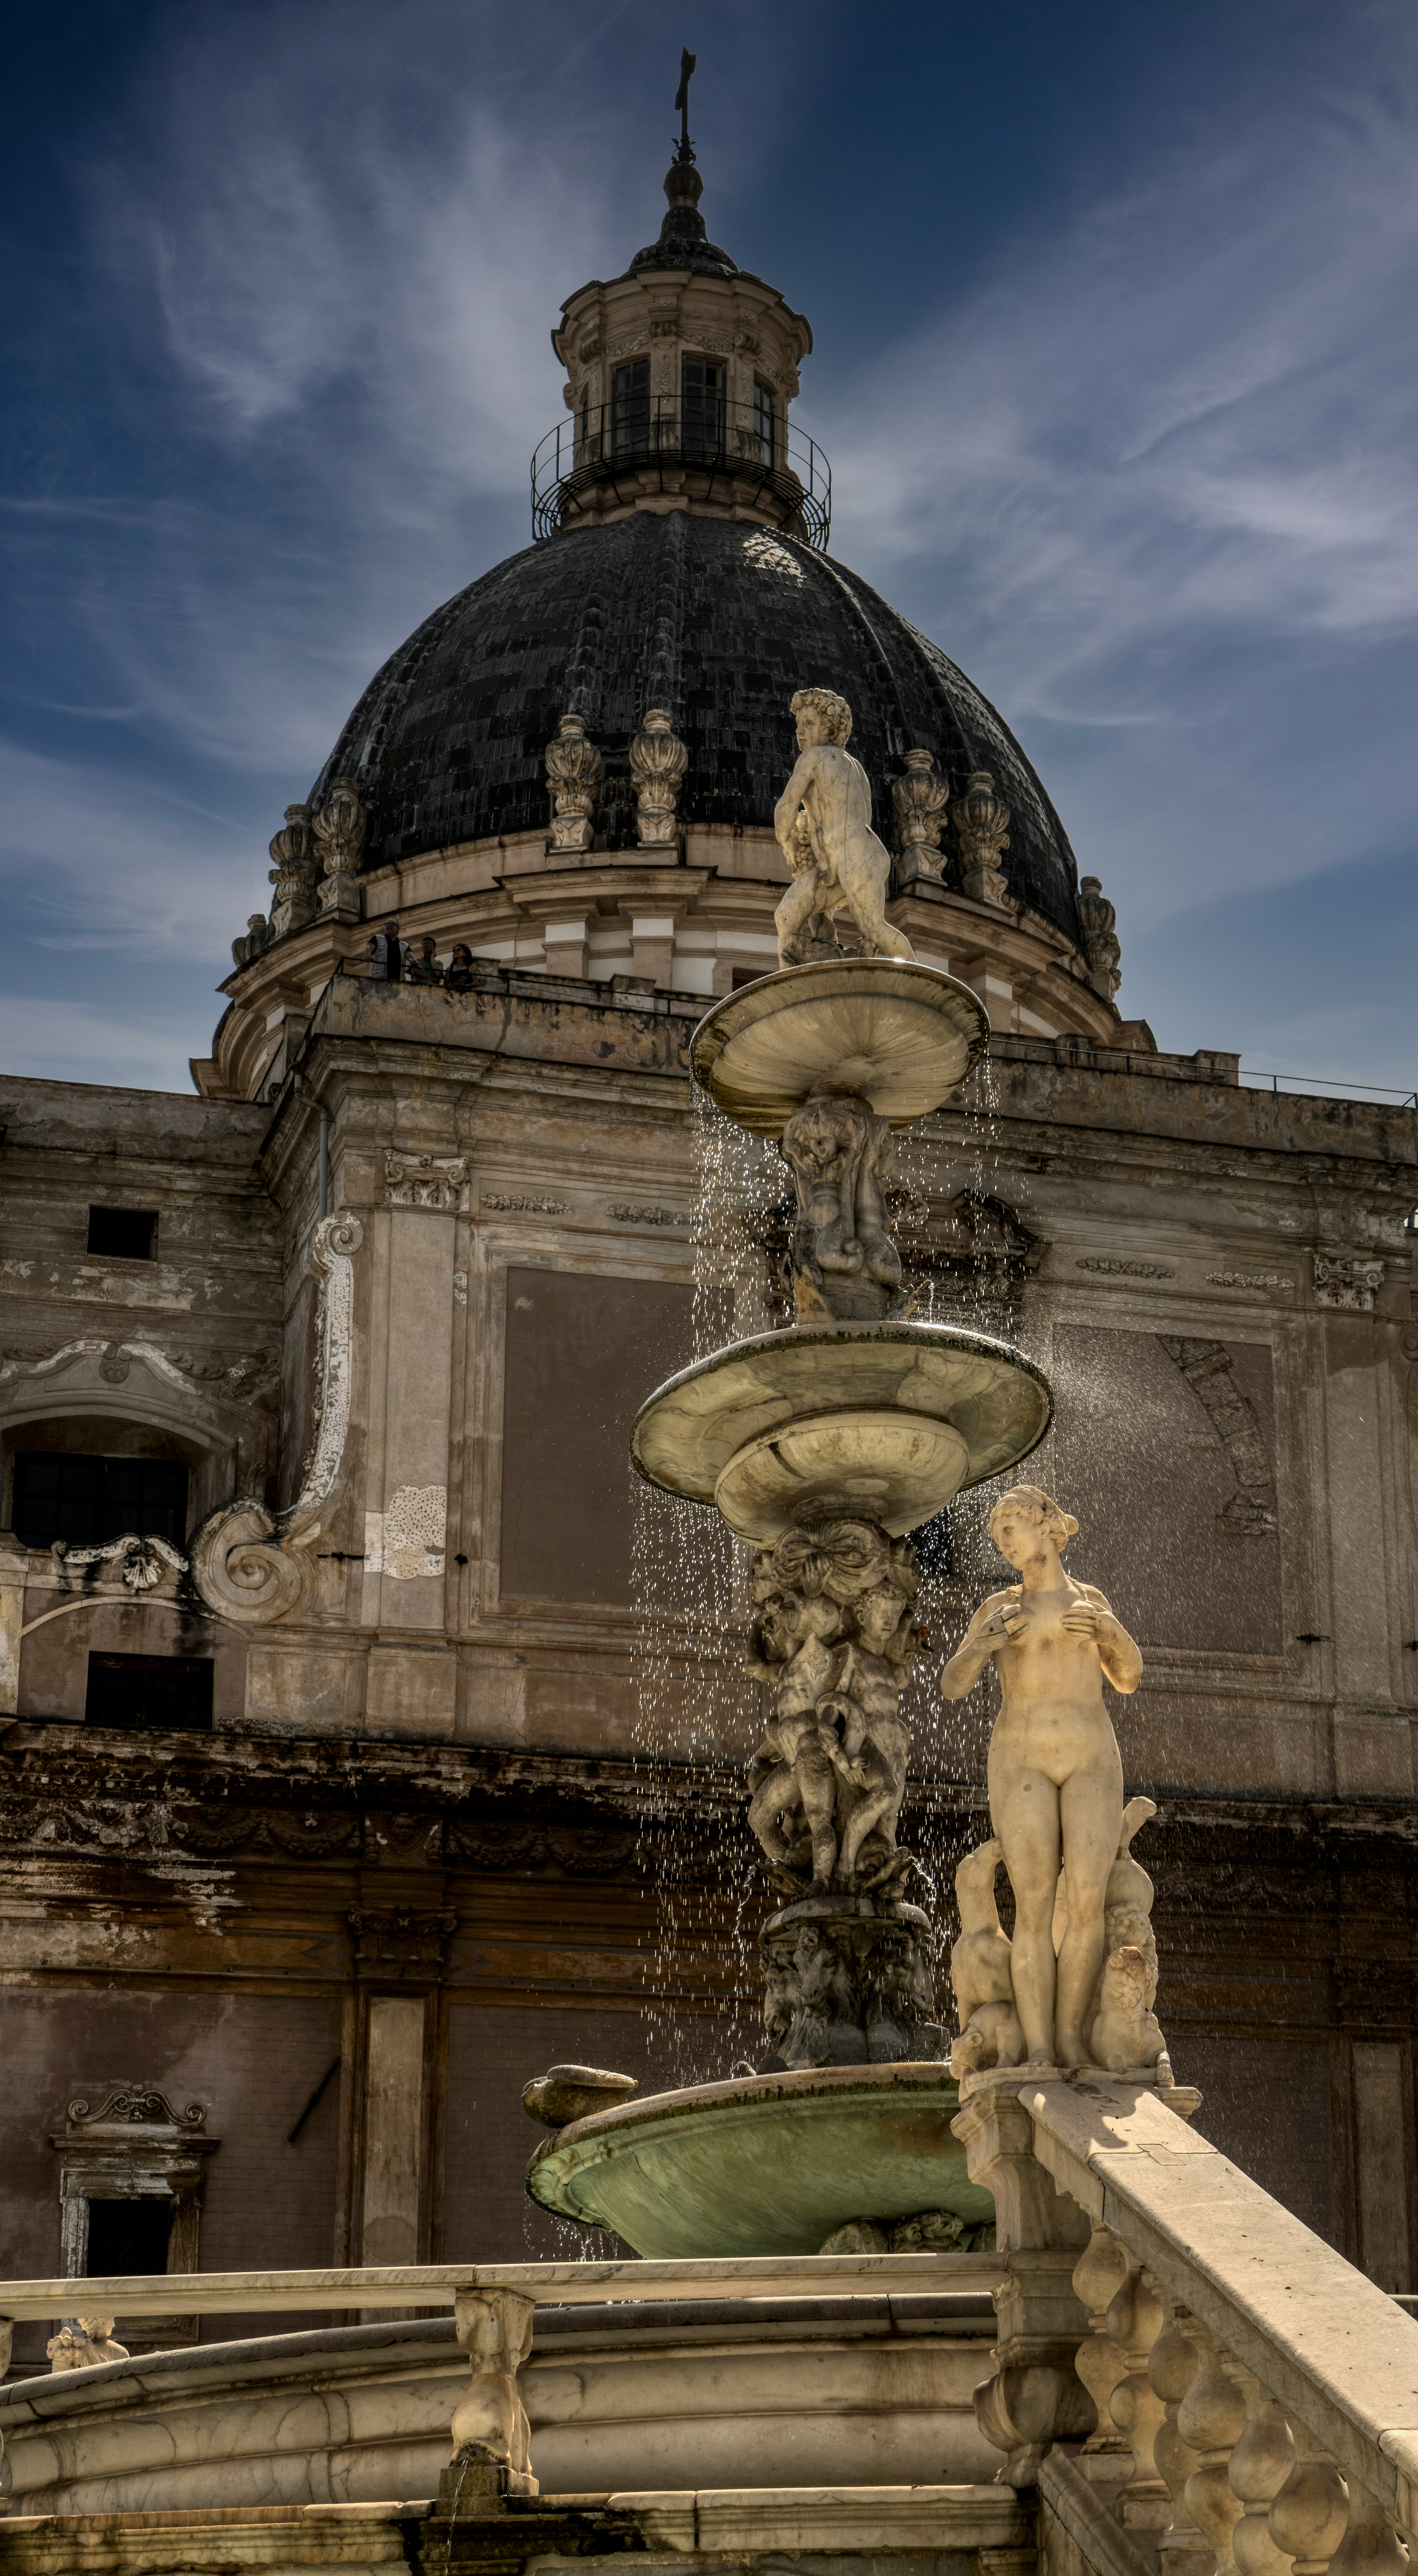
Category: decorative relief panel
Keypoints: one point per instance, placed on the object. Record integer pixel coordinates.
(437, 1181)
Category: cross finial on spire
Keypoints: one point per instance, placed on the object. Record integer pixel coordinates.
(684, 149)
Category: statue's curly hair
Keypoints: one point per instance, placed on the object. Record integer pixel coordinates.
(834, 711)
(1031, 1503)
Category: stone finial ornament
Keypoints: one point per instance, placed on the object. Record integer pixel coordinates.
(851, 866)
(340, 828)
(921, 799)
(575, 771)
(294, 872)
(981, 819)
(259, 935)
(658, 761)
(1100, 937)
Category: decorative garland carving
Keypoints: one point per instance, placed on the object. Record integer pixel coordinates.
(254, 1565)
(1206, 1366)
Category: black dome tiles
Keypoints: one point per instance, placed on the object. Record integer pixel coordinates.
(715, 620)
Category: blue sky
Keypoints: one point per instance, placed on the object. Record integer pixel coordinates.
(1115, 364)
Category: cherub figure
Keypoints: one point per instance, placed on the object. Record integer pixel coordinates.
(1055, 1773)
(851, 865)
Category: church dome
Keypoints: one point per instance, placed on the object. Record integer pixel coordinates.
(716, 620)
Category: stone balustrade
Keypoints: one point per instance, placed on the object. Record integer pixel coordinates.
(493, 2306)
(1256, 2396)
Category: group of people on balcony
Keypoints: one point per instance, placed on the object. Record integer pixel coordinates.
(392, 961)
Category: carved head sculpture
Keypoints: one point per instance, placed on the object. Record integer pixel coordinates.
(1022, 1515)
(842, 1558)
(820, 716)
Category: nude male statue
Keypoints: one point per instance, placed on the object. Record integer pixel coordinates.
(1055, 1773)
(849, 862)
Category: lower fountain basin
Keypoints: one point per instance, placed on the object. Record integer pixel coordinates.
(892, 1419)
(766, 2164)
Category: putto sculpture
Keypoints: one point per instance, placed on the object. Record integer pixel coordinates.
(836, 858)
(1082, 1966)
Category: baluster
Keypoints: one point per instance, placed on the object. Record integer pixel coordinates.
(1099, 2273)
(1210, 2417)
(1311, 2511)
(1371, 2546)
(494, 2328)
(1136, 2316)
(1260, 2464)
(1172, 2365)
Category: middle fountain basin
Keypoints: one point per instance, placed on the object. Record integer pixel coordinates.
(764, 2164)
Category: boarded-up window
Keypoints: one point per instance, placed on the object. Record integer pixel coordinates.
(1165, 1450)
(582, 1355)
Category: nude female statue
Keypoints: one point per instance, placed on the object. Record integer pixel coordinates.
(1055, 1773)
(851, 866)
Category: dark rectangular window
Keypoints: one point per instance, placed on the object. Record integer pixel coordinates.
(123, 1234)
(128, 2236)
(163, 1691)
(765, 422)
(83, 1500)
(630, 408)
(702, 403)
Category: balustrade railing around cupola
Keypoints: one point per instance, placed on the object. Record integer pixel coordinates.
(616, 445)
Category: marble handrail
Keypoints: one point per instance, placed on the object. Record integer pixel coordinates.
(1301, 2381)
(434, 2285)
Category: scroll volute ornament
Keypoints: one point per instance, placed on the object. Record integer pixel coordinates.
(981, 819)
(658, 761)
(921, 800)
(575, 770)
(293, 874)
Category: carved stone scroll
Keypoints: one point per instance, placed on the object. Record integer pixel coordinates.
(1099, 922)
(254, 1565)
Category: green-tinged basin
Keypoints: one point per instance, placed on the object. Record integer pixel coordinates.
(768, 2164)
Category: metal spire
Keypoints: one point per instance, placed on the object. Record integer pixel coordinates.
(684, 149)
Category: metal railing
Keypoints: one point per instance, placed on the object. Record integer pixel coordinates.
(620, 443)
(1324, 1086)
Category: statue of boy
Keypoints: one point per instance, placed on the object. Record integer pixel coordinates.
(834, 792)
(1055, 1773)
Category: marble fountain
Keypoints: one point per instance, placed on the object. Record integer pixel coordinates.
(821, 1445)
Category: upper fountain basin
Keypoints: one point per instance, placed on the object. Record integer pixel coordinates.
(887, 1419)
(901, 1036)
(764, 2164)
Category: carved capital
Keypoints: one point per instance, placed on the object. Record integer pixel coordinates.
(1349, 1280)
(437, 1181)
